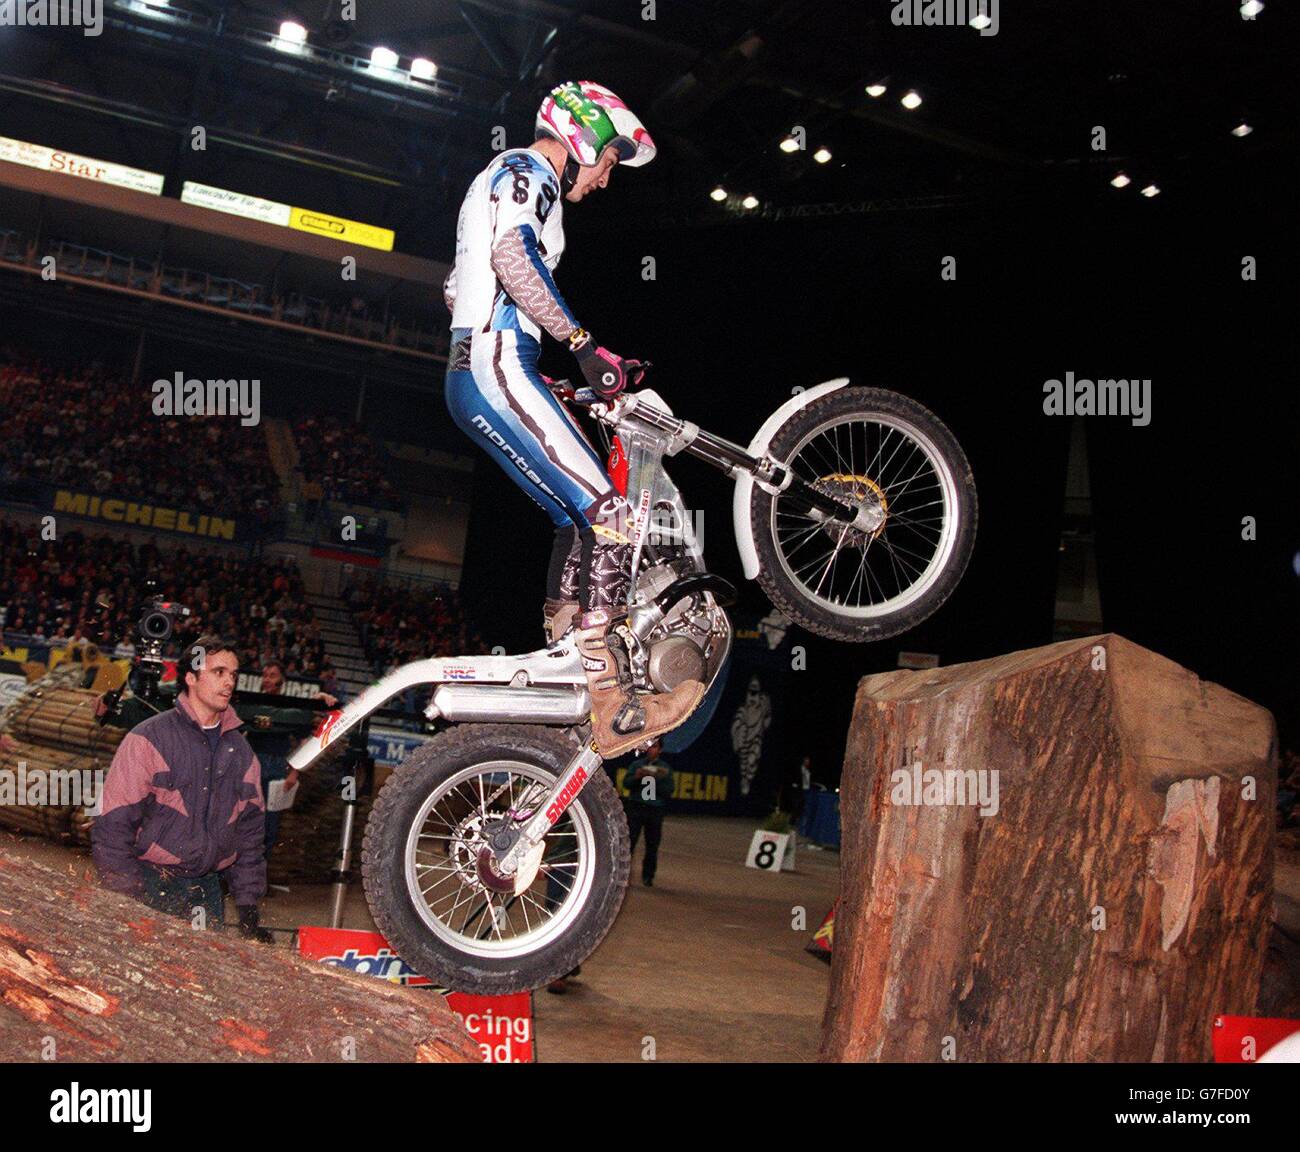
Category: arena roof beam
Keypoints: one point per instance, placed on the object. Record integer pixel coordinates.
(83, 101)
(259, 46)
(901, 122)
(490, 38)
(563, 14)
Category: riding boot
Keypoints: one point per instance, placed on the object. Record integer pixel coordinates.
(621, 717)
(563, 579)
(561, 616)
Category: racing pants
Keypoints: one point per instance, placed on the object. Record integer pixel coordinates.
(498, 399)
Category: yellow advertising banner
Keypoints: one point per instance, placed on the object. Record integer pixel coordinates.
(158, 518)
(337, 228)
(286, 216)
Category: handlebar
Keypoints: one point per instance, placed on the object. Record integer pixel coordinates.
(587, 396)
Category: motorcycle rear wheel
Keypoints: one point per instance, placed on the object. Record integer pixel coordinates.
(423, 839)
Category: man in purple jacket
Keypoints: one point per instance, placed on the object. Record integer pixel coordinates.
(182, 803)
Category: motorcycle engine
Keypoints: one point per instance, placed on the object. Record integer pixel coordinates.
(674, 651)
(673, 661)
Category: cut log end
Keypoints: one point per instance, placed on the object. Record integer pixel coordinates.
(1059, 854)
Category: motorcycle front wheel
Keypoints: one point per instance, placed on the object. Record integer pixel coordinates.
(846, 583)
(423, 875)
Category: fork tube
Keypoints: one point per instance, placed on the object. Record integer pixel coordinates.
(800, 495)
(586, 763)
(727, 457)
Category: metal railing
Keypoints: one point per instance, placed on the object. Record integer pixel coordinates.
(196, 287)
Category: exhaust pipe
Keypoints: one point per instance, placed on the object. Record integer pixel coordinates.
(493, 703)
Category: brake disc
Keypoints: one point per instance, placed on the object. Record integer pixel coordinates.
(857, 490)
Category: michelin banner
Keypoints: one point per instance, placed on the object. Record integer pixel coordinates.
(111, 509)
(725, 758)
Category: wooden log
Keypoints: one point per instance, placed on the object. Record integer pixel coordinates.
(26, 765)
(62, 717)
(109, 979)
(1116, 900)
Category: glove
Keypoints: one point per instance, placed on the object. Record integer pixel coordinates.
(606, 374)
(249, 918)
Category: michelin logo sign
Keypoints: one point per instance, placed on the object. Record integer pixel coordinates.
(389, 748)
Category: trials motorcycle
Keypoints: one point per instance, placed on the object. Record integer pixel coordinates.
(496, 855)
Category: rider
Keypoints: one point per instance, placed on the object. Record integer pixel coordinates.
(501, 294)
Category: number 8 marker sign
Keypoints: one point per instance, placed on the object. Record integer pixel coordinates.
(768, 851)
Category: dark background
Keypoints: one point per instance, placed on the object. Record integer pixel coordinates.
(739, 315)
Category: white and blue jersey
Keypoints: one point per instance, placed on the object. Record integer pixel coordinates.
(509, 239)
(501, 293)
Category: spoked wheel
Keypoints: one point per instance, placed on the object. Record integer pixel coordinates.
(885, 452)
(428, 866)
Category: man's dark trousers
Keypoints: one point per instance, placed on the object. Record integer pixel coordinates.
(652, 820)
(180, 895)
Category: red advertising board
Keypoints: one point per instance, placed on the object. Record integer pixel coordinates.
(501, 1025)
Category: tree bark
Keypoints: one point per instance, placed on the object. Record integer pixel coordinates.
(86, 974)
(1115, 899)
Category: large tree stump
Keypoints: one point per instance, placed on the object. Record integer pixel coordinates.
(1117, 901)
(86, 974)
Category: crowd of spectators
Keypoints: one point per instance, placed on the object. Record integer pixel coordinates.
(339, 461)
(398, 625)
(49, 589)
(91, 429)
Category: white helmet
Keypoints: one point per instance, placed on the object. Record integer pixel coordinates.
(587, 118)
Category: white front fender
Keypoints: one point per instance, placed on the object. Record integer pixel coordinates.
(757, 447)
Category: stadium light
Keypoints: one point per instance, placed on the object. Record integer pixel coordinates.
(1242, 129)
(1120, 181)
(292, 38)
(422, 69)
(384, 58)
(154, 8)
(1151, 190)
(875, 91)
(1251, 9)
(822, 155)
(980, 21)
(719, 194)
(911, 100)
(750, 201)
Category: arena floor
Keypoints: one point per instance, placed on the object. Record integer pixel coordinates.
(705, 963)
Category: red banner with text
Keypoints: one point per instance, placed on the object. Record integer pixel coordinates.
(501, 1025)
